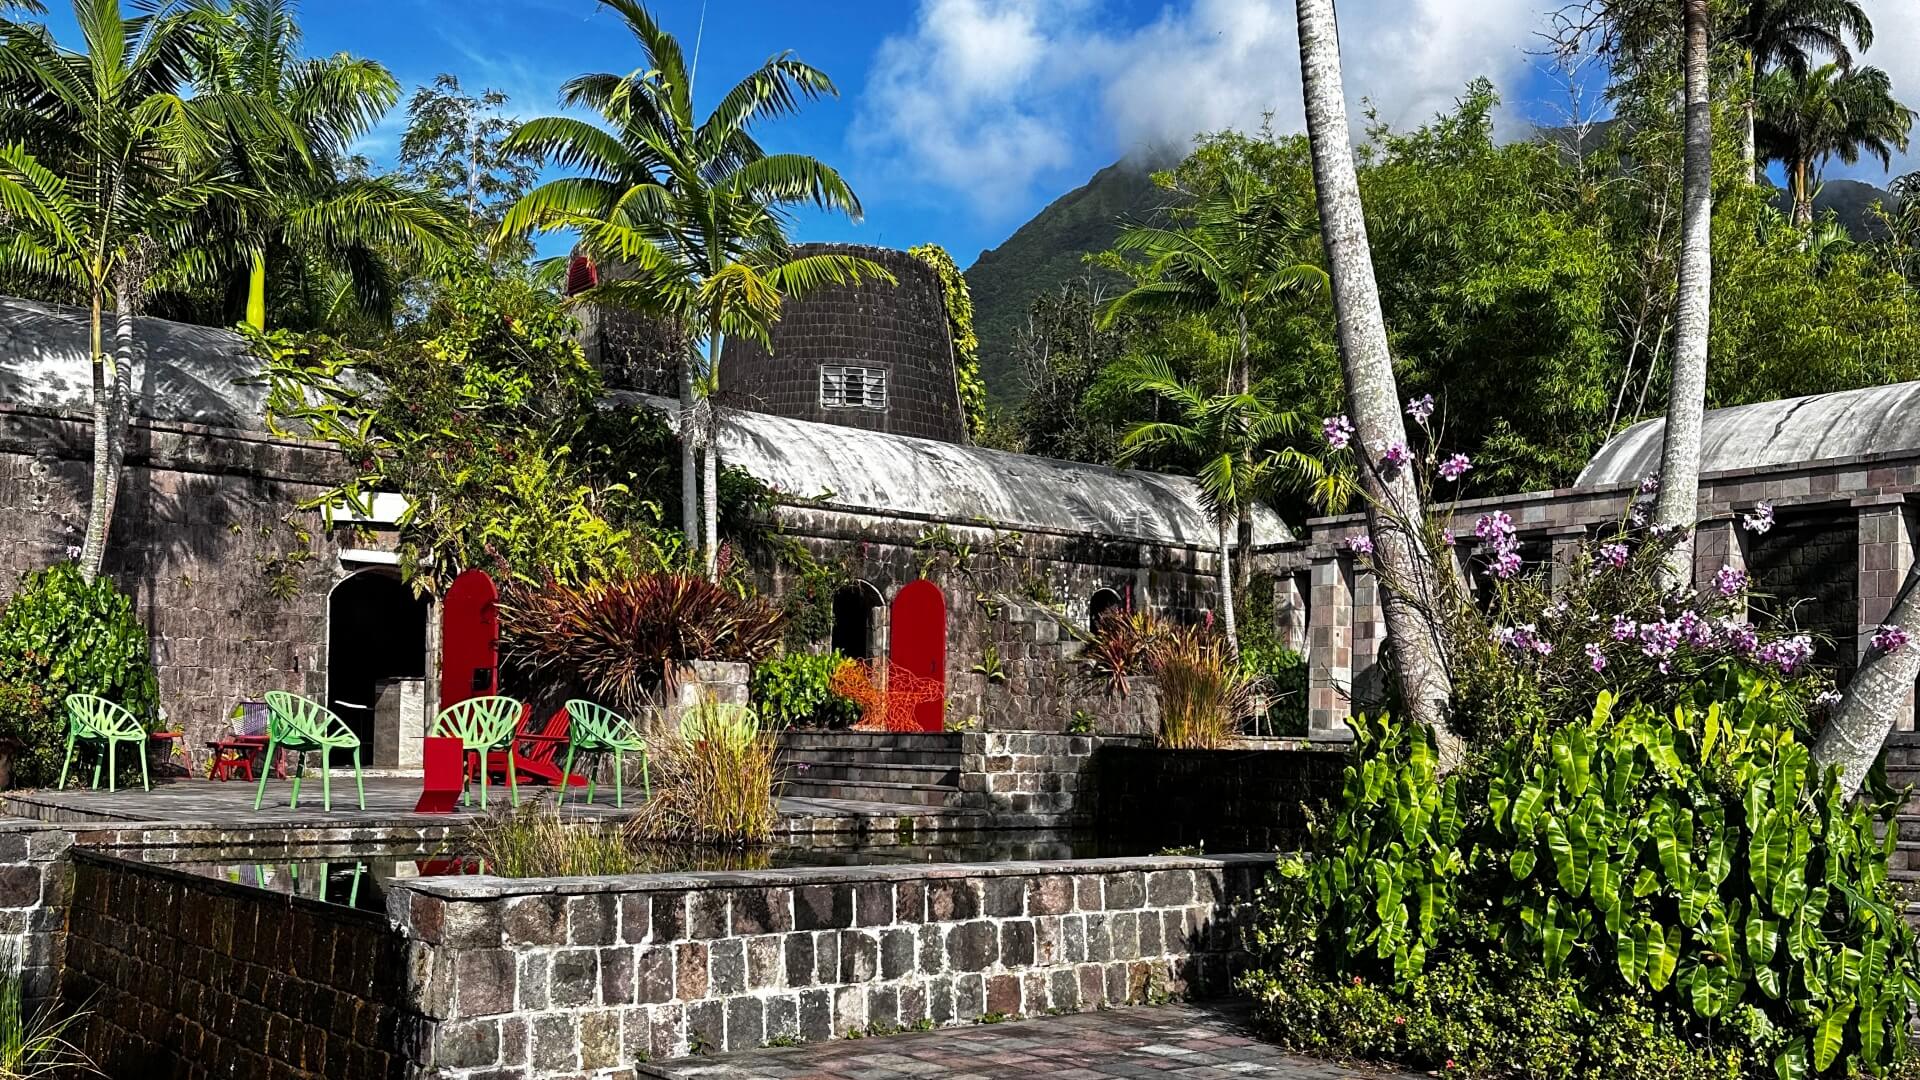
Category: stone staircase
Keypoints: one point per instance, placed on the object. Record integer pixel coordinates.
(885, 767)
(1903, 769)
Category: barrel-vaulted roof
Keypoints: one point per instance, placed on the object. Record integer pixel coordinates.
(1791, 431)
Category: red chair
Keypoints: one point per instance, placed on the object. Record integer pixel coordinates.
(238, 753)
(536, 750)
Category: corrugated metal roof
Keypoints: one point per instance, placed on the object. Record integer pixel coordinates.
(854, 469)
(180, 372)
(1791, 431)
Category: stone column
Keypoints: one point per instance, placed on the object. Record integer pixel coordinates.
(1330, 647)
(1290, 611)
(1369, 634)
(1716, 544)
(1565, 543)
(1886, 555)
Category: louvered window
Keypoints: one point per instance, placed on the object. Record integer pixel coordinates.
(843, 387)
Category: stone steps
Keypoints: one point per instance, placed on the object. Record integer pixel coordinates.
(921, 769)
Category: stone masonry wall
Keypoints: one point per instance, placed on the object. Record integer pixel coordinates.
(1030, 780)
(186, 976)
(1009, 591)
(35, 881)
(584, 977)
(198, 519)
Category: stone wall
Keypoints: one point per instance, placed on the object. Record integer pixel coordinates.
(198, 521)
(1032, 780)
(35, 881)
(1023, 594)
(1233, 800)
(186, 976)
(900, 329)
(565, 978)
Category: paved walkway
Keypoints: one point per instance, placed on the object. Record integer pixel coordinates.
(1191, 1042)
(390, 800)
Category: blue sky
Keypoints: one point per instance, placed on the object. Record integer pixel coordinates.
(959, 119)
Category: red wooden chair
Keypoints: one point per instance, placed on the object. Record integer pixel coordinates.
(536, 748)
(237, 753)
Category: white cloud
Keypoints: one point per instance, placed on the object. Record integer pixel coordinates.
(985, 97)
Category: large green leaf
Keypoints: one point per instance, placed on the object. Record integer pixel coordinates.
(1763, 937)
(1791, 1064)
(1663, 954)
(1767, 852)
(1526, 806)
(1830, 1033)
(1630, 953)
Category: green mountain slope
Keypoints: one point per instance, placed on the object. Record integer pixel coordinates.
(1044, 253)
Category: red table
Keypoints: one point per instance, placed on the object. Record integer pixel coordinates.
(446, 775)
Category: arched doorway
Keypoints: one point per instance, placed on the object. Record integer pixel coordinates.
(918, 643)
(1102, 603)
(859, 621)
(376, 630)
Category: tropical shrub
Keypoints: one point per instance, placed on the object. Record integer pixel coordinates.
(1691, 860)
(795, 689)
(61, 634)
(617, 638)
(1279, 677)
(1120, 647)
(713, 780)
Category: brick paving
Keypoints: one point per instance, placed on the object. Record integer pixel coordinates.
(1187, 1041)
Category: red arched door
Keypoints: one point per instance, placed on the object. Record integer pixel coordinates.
(469, 638)
(919, 644)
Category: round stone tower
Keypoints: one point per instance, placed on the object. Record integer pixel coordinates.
(873, 355)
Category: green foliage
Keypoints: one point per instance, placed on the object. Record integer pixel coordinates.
(795, 689)
(966, 346)
(990, 665)
(808, 597)
(60, 635)
(1690, 859)
(1280, 678)
(532, 840)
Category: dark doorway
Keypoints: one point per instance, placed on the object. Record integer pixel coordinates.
(1103, 603)
(857, 612)
(376, 629)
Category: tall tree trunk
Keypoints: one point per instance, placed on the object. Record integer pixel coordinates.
(1243, 570)
(689, 454)
(110, 411)
(100, 508)
(257, 291)
(1227, 620)
(1677, 507)
(1802, 184)
(710, 482)
(1394, 515)
(1749, 151)
(1874, 699)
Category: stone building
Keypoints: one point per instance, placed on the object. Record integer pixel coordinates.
(242, 594)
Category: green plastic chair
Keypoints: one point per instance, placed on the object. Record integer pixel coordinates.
(484, 725)
(303, 725)
(102, 725)
(593, 728)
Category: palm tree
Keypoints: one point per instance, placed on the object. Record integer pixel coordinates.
(1829, 113)
(1677, 505)
(1233, 252)
(1409, 585)
(693, 211)
(1786, 35)
(1234, 438)
(104, 163)
(335, 235)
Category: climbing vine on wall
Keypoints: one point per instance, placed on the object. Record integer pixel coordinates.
(966, 346)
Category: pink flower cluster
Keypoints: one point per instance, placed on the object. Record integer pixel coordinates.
(1650, 484)
(1455, 467)
(1759, 521)
(1395, 458)
(1888, 638)
(1731, 581)
(1787, 654)
(1496, 531)
(1338, 430)
(1360, 544)
(1614, 555)
(1420, 408)
(1523, 638)
(1596, 656)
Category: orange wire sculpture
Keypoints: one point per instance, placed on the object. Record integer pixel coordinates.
(889, 706)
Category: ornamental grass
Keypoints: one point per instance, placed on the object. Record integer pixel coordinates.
(533, 841)
(1204, 690)
(713, 780)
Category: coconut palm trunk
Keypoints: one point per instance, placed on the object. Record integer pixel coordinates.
(1394, 515)
(1879, 692)
(1677, 506)
(1243, 572)
(112, 394)
(689, 454)
(1228, 623)
(710, 485)
(1749, 140)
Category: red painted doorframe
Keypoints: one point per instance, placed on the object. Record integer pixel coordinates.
(918, 633)
(469, 638)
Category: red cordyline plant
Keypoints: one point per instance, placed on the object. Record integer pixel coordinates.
(618, 638)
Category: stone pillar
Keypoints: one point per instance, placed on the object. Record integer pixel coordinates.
(1290, 611)
(1330, 647)
(1716, 544)
(1369, 635)
(1566, 544)
(1886, 555)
